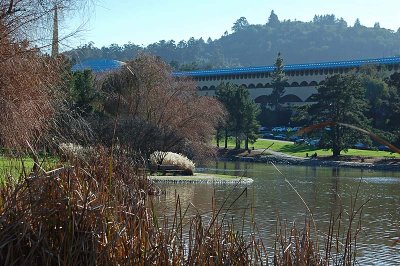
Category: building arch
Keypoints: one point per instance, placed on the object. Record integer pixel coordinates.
(294, 84)
(304, 84)
(251, 86)
(212, 87)
(262, 99)
(259, 85)
(322, 82)
(244, 86)
(290, 98)
(313, 83)
(204, 88)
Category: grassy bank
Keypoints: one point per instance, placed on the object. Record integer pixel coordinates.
(300, 150)
(16, 166)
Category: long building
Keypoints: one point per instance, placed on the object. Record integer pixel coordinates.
(302, 83)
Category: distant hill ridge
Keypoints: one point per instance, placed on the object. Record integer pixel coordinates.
(324, 39)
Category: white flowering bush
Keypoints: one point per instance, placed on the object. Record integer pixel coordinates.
(171, 158)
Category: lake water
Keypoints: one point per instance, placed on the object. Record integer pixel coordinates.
(323, 189)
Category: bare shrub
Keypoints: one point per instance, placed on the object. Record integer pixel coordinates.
(154, 111)
(26, 101)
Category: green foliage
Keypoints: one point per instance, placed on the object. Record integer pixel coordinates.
(341, 99)
(278, 84)
(240, 24)
(326, 38)
(273, 19)
(394, 103)
(242, 113)
(82, 92)
(377, 95)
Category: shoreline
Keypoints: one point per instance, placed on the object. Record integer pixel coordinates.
(278, 158)
(202, 178)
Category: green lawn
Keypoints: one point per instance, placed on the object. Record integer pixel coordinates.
(14, 167)
(301, 149)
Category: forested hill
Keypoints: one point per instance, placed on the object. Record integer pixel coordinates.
(326, 38)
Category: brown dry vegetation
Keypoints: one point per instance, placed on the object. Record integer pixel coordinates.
(26, 103)
(31, 102)
(98, 211)
(82, 216)
(154, 111)
(89, 214)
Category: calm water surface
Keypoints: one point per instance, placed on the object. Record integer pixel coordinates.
(323, 189)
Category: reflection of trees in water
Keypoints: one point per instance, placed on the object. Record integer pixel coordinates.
(335, 186)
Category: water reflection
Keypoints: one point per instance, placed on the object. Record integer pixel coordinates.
(324, 190)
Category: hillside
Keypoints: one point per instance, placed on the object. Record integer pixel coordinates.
(326, 38)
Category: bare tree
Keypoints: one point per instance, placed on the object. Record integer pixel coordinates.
(154, 111)
(29, 99)
(37, 20)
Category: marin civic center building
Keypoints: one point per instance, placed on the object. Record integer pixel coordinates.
(302, 79)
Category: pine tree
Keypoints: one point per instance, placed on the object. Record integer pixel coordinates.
(340, 100)
(273, 19)
(242, 113)
(278, 83)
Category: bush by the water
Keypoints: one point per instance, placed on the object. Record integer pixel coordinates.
(175, 159)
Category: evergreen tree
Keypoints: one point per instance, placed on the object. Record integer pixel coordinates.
(242, 113)
(240, 24)
(340, 100)
(82, 92)
(251, 125)
(278, 83)
(273, 19)
(394, 103)
(357, 23)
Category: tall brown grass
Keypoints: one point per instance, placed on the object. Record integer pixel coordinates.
(79, 214)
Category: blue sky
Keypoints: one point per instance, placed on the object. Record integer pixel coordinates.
(148, 21)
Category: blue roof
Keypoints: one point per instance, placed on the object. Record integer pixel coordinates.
(98, 65)
(247, 70)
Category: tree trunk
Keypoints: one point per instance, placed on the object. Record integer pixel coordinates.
(226, 138)
(246, 143)
(218, 137)
(237, 143)
(336, 140)
(336, 151)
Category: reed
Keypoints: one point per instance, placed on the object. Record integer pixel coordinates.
(74, 215)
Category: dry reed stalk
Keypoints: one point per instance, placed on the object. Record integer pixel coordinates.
(74, 217)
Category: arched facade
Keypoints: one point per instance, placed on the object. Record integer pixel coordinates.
(302, 80)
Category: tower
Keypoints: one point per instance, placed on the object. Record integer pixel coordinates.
(54, 46)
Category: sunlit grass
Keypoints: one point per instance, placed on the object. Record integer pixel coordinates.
(300, 150)
(16, 166)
